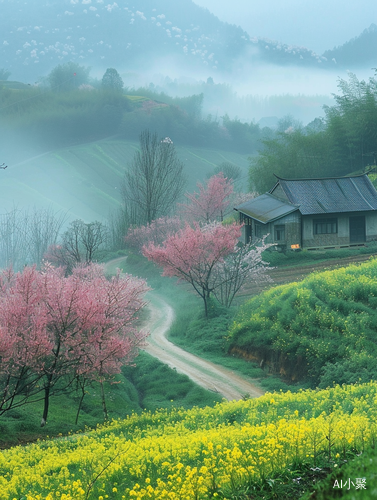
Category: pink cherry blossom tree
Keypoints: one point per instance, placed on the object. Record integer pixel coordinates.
(210, 203)
(24, 341)
(156, 232)
(56, 328)
(193, 253)
(91, 324)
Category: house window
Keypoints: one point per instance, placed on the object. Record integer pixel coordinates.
(258, 230)
(279, 232)
(325, 226)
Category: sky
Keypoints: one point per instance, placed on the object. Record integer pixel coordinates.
(315, 24)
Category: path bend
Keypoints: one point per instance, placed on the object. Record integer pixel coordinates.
(209, 375)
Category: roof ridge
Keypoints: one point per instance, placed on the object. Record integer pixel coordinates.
(321, 178)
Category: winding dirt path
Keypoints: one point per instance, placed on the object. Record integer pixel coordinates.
(204, 373)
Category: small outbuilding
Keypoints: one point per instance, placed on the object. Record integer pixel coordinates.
(313, 214)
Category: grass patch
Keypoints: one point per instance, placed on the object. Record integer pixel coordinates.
(307, 257)
(146, 386)
(159, 386)
(22, 424)
(363, 467)
(322, 329)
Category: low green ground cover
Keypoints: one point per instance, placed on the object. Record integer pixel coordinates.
(148, 385)
(306, 257)
(323, 329)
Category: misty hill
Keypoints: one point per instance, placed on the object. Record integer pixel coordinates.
(360, 51)
(84, 180)
(38, 35)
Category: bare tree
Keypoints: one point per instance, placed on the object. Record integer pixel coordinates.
(81, 243)
(154, 181)
(118, 226)
(26, 235)
(93, 238)
(44, 227)
(13, 239)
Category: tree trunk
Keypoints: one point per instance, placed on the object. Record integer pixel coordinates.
(104, 407)
(46, 402)
(206, 298)
(81, 400)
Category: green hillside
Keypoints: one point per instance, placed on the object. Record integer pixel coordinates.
(320, 330)
(85, 179)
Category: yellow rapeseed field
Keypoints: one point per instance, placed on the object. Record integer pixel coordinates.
(197, 453)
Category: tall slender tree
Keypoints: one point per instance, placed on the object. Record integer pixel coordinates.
(111, 80)
(154, 181)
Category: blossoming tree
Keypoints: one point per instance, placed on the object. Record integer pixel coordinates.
(56, 328)
(210, 202)
(157, 232)
(244, 265)
(193, 253)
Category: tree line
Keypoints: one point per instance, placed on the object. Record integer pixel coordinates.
(68, 107)
(344, 142)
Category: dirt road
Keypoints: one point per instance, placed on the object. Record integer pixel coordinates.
(204, 373)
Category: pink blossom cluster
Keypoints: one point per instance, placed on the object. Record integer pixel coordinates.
(210, 203)
(156, 232)
(54, 326)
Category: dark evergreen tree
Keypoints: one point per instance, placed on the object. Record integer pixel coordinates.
(111, 80)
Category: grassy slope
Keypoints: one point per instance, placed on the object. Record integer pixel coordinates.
(149, 385)
(85, 179)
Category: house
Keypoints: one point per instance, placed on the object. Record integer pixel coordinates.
(313, 213)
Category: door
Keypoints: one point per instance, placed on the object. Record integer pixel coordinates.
(357, 229)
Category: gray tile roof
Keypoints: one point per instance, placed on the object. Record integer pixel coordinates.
(330, 195)
(266, 208)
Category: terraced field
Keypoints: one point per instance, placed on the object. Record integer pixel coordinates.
(85, 179)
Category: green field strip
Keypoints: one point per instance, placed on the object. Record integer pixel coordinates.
(63, 160)
(110, 159)
(95, 171)
(100, 158)
(121, 152)
(73, 195)
(35, 193)
(137, 98)
(85, 179)
(84, 160)
(97, 202)
(201, 158)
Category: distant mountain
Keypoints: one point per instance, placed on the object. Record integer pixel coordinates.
(37, 35)
(361, 51)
